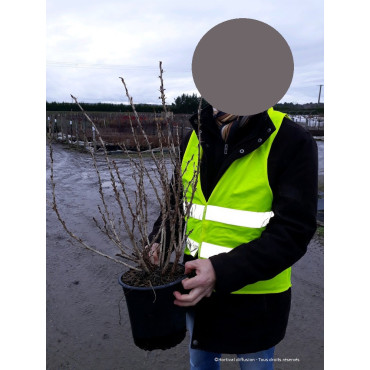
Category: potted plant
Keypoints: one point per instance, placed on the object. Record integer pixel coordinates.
(156, 322)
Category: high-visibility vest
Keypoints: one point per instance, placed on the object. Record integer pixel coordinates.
(238, 209)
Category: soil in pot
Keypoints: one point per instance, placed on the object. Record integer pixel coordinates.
(156, 322)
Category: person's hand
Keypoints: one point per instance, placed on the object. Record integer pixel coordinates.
(153, 253)
(201, 285)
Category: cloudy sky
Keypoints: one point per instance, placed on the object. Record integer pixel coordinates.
(91, 43)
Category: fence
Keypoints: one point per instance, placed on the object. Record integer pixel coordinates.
(114, 127)
(73, 127)
(309, 121)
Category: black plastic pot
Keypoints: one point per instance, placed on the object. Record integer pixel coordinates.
(156, 322)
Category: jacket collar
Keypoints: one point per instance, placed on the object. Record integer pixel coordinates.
(256, 132)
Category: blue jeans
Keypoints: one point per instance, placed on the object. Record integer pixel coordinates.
(204, 360)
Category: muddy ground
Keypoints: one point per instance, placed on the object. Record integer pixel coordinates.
(87, 319)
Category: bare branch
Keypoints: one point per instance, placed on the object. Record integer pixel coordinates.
(129, 210)
(61, 220)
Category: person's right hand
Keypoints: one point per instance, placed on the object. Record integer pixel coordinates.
(154, 253)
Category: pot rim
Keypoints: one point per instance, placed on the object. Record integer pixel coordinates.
(156, 287)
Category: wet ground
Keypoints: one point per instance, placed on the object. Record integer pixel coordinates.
(87, 319)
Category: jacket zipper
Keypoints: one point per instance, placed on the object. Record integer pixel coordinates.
(225, 148)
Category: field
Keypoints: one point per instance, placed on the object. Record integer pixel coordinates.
(115, 128)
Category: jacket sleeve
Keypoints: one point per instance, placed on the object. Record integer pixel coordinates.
(284, 241)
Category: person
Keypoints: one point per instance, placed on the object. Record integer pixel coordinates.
(253, 215)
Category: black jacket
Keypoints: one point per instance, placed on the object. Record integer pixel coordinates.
(242, 323)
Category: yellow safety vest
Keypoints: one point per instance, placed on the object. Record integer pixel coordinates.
(238, 209)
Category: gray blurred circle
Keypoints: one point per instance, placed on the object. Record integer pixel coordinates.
(242, 66)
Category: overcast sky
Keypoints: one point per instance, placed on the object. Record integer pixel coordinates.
(91, 43)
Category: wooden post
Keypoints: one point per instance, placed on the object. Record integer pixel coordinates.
(48, 125)
(61, 130)
(77, 143)
(54, 125)
(49, 129)
(84, 131)
(318, 101)
(70, 141)
(65, 133)
(94, 141)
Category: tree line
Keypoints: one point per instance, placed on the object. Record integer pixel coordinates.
(185, 104)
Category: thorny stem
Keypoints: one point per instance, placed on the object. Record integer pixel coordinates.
(175, 185)
(160, 165)
(193, 183)
(61, 220)
(116, 193)
(163, 174)
(169, 193)
(143, 170)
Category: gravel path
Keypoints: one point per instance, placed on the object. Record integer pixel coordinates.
(87, 320)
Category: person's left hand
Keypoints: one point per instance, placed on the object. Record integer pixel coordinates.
(201, 285)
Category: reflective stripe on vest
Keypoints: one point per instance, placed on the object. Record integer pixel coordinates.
(230, 216)
(192, 246)
(208, 249)
(238, 209)
(196, 211)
